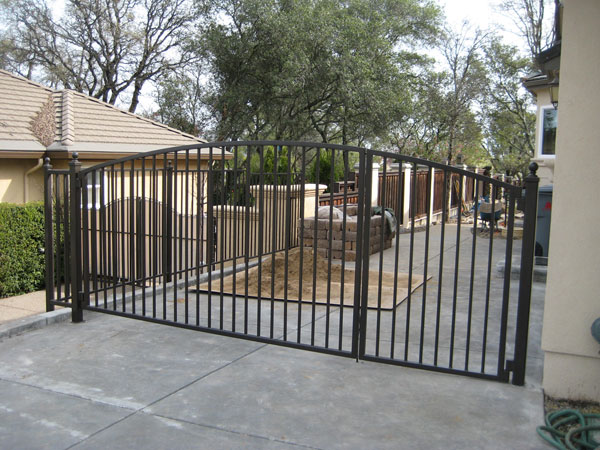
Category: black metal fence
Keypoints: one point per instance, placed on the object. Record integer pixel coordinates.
(221, 238)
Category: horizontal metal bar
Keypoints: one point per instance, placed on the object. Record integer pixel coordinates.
(61, 303)
(248, 337)
(224, 144)
(395, 362)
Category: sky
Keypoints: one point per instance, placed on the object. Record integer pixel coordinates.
(479, 12)
(482, 14)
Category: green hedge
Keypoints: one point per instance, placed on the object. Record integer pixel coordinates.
(21, 238)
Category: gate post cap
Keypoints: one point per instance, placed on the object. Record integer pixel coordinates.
(533, 167)
(74, 161)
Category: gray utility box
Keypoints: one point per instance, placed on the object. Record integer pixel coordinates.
(544, 213)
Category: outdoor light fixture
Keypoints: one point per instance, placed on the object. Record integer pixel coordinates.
(554, 91)
(596, 329)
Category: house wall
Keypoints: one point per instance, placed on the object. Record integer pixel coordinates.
(12, 181)
(572, 356)
(546, 164)
(12, 175)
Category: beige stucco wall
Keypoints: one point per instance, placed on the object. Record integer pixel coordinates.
(12, 177)
(12, 181)
(572, 360)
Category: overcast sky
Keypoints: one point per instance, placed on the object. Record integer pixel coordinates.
(482, 14)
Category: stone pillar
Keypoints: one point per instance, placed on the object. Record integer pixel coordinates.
(431, 196)
(374, 182)
(406, 169)
(375, 185)
(311, 193)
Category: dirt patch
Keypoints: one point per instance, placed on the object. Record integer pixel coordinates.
(265, 282)
(554, 404)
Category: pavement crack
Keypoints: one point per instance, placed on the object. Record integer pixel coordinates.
(69, 394)
(204, 376)
(227, 430)
(140, 409)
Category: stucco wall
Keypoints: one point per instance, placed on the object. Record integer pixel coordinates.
(12, 176)
(572, 361)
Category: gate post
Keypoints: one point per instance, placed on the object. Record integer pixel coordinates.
(363, 263)
(526, 276)
(168, 233)
(48, 236)
(75, 238)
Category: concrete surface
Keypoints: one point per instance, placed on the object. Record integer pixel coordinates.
(17, 307)
(27, 312)
(112, 382)
(118, 383)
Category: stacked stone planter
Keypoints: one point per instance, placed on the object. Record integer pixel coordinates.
(341, 240)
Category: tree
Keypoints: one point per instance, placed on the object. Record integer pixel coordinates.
(313, 69)
(423, 130)
(510, 122)
(104, 48)
(180, 100)
(324, 173)
(462, 54)
(533, 21)
(441, 120)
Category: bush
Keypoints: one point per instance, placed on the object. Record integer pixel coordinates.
(21, 237)
(325, 169)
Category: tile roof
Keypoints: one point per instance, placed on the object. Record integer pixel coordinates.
(83, 123)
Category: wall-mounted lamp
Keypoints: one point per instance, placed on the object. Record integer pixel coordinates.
(554, 92)
(596, 329)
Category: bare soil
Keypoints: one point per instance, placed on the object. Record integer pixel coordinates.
(306, 271)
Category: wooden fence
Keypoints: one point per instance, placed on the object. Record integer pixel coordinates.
(418, 202)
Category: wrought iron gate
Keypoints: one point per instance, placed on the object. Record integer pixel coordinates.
(230, 238)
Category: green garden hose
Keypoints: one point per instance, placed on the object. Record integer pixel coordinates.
(581, 427)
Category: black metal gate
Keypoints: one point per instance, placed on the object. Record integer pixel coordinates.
(247, 239)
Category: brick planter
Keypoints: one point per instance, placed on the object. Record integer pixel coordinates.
(343, 241)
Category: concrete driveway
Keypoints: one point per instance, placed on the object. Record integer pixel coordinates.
(119, 383)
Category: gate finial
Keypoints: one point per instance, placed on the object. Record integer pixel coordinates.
(533, 167)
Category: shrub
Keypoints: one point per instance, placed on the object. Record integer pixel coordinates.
(325, 169)
(21, 237)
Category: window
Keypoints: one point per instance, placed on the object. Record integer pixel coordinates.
(548, 131)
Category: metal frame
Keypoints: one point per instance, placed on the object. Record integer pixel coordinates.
(170, 231)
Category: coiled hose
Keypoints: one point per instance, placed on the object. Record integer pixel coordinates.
(581, 427)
